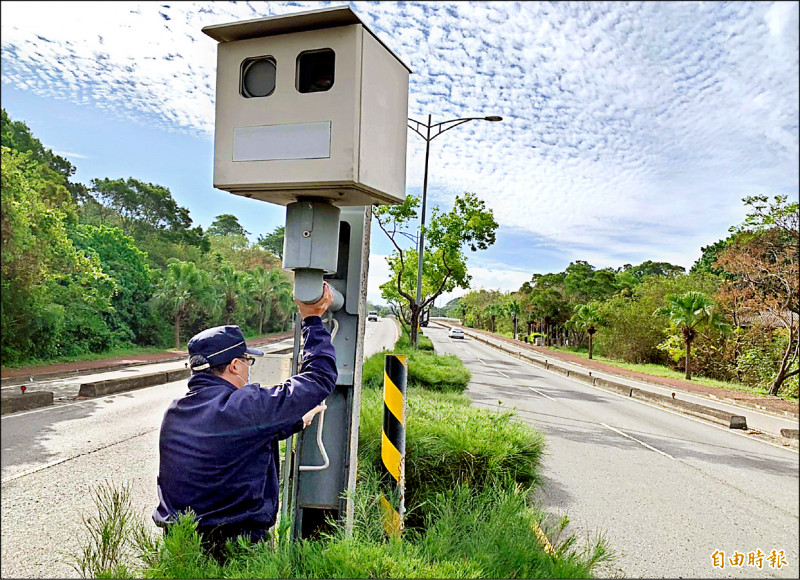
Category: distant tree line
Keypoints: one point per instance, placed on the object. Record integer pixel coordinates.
(734, 316)
(119, 263)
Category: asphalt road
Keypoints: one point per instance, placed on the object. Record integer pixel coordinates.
(54, 457)
(664, 490)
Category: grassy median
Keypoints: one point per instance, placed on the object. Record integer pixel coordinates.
(469, 474)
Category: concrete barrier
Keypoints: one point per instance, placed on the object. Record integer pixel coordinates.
(790, 433)
(178, 375)
(24, 401)
(111, 386)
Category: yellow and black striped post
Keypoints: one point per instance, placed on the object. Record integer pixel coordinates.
(393, 443)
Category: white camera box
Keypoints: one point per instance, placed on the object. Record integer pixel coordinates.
(309, 105)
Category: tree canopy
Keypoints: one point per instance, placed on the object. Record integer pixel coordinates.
(469, 224)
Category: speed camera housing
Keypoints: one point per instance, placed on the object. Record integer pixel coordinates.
(311, 105)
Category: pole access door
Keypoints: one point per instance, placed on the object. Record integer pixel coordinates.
(318, 491)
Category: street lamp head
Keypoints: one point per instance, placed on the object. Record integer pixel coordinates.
(493, 118)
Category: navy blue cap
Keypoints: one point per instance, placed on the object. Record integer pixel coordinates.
(219, 345)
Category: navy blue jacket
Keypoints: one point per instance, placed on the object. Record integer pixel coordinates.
(219, 444)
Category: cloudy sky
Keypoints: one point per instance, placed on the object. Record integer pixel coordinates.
(631, 130)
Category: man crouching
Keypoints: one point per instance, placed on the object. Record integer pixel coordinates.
(219, 443)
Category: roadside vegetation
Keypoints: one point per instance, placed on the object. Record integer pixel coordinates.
(732, 318)
(98, 269)
(470, 473)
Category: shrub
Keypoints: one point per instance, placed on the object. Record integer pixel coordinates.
(425, 370)
(448, 442)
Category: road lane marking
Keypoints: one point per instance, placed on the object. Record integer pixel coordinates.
(39, 468)
(639, 442)
(504, 374)
(652, 405)
(541, 393)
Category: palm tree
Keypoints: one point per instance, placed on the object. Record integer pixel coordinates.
(182, 288)
(231, 285)
(513, 309)
(690, 312)
(270, 288)
(587, 317)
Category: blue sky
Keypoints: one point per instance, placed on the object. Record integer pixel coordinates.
(631, 130)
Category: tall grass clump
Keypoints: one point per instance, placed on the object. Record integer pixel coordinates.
(448, 442)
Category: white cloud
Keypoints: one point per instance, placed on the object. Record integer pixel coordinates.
(630, 130)
(69, 154)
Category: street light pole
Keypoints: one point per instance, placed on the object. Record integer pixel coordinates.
(421, 245)
(441, 128)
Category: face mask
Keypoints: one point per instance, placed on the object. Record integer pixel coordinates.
(248, 375)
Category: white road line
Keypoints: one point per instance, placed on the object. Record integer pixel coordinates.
(38, 468)
(654, 406)
(639, 442)
(541, 393)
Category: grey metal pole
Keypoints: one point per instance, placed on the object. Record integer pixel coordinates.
(421, 248)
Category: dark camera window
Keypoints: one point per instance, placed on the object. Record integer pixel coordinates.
(315, 71)
(257, 77)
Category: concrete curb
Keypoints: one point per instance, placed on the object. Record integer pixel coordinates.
(111, 386)
(33, 399)
(15, 381)
(791, 433)
(24, 401)
(700, 411)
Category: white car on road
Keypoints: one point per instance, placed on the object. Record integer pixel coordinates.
(455, 333)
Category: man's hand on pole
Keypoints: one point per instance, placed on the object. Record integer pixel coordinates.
(309, 417)
(319, 307)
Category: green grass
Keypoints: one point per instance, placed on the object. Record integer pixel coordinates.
(449, 443)
(663, 371)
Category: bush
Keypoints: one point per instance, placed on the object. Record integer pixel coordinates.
(448, 442)
(426, 371)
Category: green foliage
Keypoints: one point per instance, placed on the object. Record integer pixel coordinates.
(468, 224)
(630, 332)
(226, 225)
(128, 267)
(757, 365)
(273, 242)
(149, 214)
(53, 295)
(116, 537)
(183, 291)
(449, 442)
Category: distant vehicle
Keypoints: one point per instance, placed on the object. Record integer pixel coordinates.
(372, 316)
(424, 323)
(455, 333)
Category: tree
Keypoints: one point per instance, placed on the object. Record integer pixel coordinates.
(513, 309)
(16, 135)
(467, 225)
(184, 287)
(273, 242)
(52, 293)
(128, 267)
(270, 289)
(587, 318)
(763, 279)
(690, 312)
(226, 225)
(231, 287)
